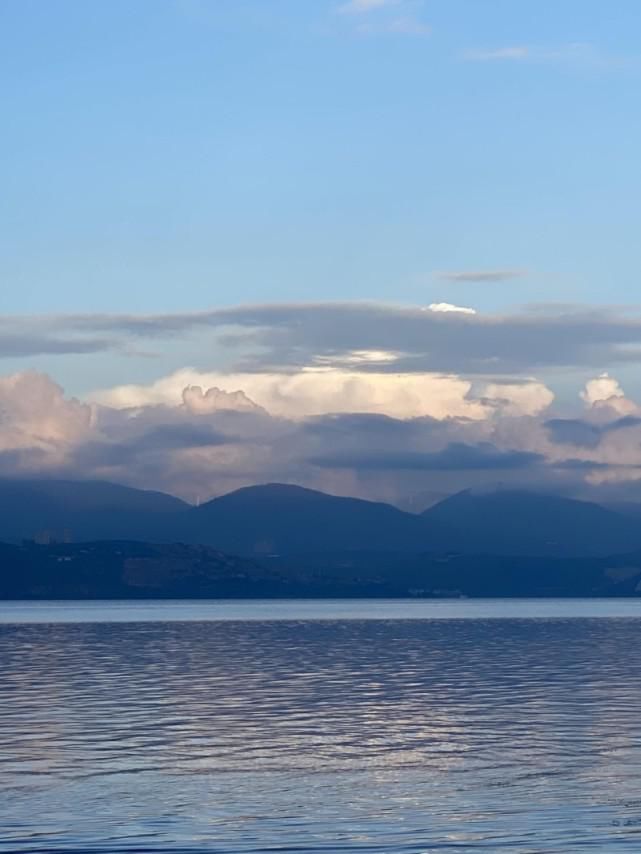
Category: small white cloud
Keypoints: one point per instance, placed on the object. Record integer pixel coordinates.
(446, 307)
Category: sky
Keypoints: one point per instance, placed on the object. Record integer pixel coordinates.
(423, 214)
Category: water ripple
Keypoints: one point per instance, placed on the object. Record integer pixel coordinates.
(355, 735)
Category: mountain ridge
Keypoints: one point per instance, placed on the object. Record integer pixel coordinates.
(280, 518)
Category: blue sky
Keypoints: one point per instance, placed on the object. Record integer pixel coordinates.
(186, 154)
(276, 199)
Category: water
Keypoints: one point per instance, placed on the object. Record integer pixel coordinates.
(354, 726)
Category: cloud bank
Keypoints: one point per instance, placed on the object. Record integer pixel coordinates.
(198, 435)
(292, 337)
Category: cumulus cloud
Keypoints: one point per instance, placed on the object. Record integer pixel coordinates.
(201, 402)
(335, 388)
(605, 393)
(196, 434)
(525, 398)
(38, 423)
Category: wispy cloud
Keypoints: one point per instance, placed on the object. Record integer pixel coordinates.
(360, 7)
(409, 26)
(577, 54)
(400, 17)
(501, 53)
(479, 275)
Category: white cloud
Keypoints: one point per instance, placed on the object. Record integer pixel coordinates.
(35, 412)
(530, 398)
(605, 393)
(316, 390)
(196, 433)
(446, 307)
(200, 402)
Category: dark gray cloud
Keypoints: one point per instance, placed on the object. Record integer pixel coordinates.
(163, 439)
(586, 434)
(579, 465)
(25, 345)
(455, 457)
(573, 431)
(464, 276)
(288, 336)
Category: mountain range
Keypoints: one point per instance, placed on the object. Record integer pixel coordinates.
(282, 519)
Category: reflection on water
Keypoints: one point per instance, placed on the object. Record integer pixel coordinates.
(350, 735)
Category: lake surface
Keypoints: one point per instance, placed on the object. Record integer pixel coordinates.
(321, 726)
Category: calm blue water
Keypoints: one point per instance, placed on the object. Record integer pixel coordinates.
(320, 727)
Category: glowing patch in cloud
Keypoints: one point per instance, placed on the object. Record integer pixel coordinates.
(446, 307)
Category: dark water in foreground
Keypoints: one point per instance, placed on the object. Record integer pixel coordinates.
(471, 727)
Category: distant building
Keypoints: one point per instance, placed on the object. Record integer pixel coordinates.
(49, 538)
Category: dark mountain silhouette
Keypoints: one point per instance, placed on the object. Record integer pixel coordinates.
(83, 510)
(279, 518)
(526, 523)
(290, 520)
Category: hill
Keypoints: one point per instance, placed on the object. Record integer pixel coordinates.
(510, 522)
(290, 520)
(279, 518)
(83, 510)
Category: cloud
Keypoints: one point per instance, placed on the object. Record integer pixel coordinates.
(605, 393)
(573, 431)
(586, 434)
(479, 275)
(444, 307)
(579, 55)
(455, 457)
(513, 53)
(408, 25)
(293, 335)
(196, 434)
(281, 338)
(316, 390)
(359, 7)
(525, 398)
(201, 402)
